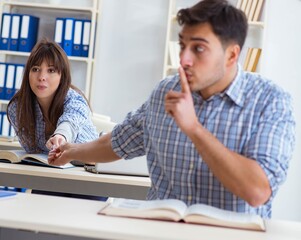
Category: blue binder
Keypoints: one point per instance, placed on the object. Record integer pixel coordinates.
(77, 38)
(15, 32)
(1, 122)
(2, 79)
(86, 37)
(5, 31)
(10, 81)
(19, 69)
(28, 33)
(68, 35)
(59, 31)
(5, 125)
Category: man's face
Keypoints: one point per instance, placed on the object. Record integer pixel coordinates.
(203, 58)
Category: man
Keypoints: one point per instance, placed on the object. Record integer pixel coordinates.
(212, 134)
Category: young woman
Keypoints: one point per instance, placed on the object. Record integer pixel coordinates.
(48, 110)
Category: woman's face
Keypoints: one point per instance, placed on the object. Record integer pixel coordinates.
(44, 81)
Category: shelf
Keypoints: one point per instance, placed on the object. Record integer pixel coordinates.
(26, 54)
(49, 6)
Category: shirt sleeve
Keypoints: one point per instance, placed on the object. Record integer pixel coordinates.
(273, 141)
(127, 137)
(76, 113)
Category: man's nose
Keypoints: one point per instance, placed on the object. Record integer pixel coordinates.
(186, 58)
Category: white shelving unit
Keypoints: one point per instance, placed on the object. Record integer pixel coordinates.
(254, 39)
(48, 11)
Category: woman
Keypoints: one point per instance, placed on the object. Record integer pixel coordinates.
(48, 110)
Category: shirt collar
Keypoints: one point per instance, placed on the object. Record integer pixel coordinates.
(234, 91)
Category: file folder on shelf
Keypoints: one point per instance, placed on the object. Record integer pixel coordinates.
(86, 37)
(15, 32)
(10, 81)
(28, 33)
(19, 68)
(59, 31)
(5, 125)
(2, 79)
(5, 31)
(77, 38)
(68, 35)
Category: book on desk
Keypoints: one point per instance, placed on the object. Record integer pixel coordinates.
(22, 157)
(177, 210)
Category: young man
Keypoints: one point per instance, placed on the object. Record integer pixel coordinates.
(212, 134)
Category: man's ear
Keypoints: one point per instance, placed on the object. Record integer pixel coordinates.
(232, 54)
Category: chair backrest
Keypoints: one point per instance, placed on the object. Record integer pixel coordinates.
(102, 123)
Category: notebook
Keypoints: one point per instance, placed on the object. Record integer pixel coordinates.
(136, 166)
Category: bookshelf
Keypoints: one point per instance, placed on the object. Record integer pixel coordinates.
(251, 53)
(47, 11)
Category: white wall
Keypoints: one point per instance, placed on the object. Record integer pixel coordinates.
(281, 63)
(130, 54)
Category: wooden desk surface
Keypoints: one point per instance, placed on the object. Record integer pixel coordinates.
(78, 217)
(73, 180)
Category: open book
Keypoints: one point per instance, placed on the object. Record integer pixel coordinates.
(176, 210)
(20, 156)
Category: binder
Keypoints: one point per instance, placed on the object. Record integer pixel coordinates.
(86, 37)
(5, 125)
(19, 68)
(15, 31)
(77, 38)
(59, 31)
(29, 33)
(2, 79)
(68, 35)
(10, 81)
(5, 31)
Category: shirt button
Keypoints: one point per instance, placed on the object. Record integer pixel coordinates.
(191, 166)
(189, 198)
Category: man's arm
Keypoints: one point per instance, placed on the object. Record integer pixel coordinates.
(242, 176)
(99, 150)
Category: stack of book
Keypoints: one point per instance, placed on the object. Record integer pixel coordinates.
(252, 59)
(252, 8)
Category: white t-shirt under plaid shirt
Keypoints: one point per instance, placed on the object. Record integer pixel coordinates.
(252, 117)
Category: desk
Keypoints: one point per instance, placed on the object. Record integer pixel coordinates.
(39, 215)
(73, 180)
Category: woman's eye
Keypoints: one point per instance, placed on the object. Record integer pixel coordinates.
(35, 69)
(52, 70)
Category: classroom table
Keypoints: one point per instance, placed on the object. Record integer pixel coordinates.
(33, 216)
(73, 180)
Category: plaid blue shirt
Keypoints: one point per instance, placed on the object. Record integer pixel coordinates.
(252, 117)
(76, 112)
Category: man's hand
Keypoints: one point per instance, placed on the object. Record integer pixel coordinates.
(62, 154)
(180, 105)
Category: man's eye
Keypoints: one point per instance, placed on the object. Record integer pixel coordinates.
(181, 46)
(199, 49)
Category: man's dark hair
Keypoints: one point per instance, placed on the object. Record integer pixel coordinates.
(228, 23)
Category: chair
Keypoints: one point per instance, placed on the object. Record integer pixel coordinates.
(102, 123)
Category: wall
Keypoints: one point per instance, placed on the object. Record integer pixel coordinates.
(130, 54)
(282, 64)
